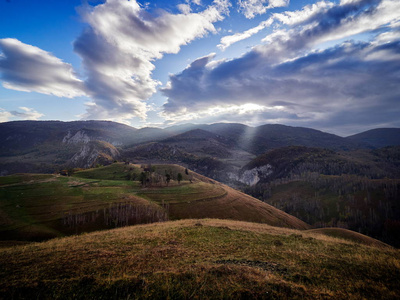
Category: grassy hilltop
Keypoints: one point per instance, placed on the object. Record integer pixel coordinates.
(201, 259)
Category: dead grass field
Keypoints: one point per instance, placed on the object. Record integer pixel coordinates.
(349, 235)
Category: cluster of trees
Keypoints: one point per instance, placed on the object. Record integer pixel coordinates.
(150, 177)
(118, 215)
(124, 214)
(69, 171)
(210, 167)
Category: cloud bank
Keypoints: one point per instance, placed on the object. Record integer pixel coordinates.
(251, 8)
(118, 47)
(25, 113)
(329, 63)
(294, 81)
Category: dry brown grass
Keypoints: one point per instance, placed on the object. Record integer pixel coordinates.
(236, 206)
(350, 235)
(202, 258)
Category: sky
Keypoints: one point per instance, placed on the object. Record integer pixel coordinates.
(329, 65)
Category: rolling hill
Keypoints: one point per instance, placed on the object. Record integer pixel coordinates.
(349, 235)
(154, 152)
(201, 142)
(358, 190)
(204, 259)
(23, 136)
(38, 207)
(258, 140)
(295, 160)
(275, 136)
(47, 146)
(378, 138)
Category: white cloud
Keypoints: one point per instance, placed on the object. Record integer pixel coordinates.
(25, 113)
(287, 18)
(228, 40)
(278, 3)
(385, 13)
(197, 2)
(328, 25)
(118, 49)
(27, 68)
(311, 16)
(215, 112)
(120, 46)
(184, 8)
(251, 8)
(5, 116)
(387, 37)
(303, 15)
(345, 2)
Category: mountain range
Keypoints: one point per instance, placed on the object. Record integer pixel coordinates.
(48, 146)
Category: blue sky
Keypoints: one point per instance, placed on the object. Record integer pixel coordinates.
(329, 65)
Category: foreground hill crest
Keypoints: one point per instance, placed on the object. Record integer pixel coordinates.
(209, 259)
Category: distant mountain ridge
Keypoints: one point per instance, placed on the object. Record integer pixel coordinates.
(378, 138)
(258, 140)
(44, 146)
(25, 134)
(199, 141)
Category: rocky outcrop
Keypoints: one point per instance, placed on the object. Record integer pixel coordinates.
(79, 137)
(253, 176)
(94, 152)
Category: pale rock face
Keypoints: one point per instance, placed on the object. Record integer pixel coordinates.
(233, 176)
(79, 137)
(89, 153)
(251, 177)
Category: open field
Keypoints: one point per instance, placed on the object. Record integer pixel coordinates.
(199, 259)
